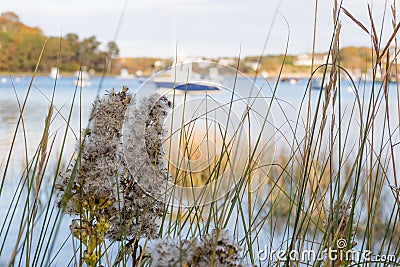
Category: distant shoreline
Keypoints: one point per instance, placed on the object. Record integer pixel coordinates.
(71, 74)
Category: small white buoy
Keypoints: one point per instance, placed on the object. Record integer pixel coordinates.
(3, 80)
(18, 79)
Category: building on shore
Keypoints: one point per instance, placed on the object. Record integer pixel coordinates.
(306, 59)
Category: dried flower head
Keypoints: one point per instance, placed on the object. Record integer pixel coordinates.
(88, 188)
(98, 185)
(216, 248)
(143, 137)
(90, 182)
(173, 252)
(145, 174)
(339, 226)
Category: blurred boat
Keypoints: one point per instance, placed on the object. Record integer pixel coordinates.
(291, 81)
(317, 84)
(189, 87)
(82, 78)
(181, 79)
(54, 73)
(125, 75)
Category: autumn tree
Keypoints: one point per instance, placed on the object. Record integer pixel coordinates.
(21, 45)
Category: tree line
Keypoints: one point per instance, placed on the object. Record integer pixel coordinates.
(21, 47)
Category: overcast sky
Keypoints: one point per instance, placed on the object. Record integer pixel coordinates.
(214, 28)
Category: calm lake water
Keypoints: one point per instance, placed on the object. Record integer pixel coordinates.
(12, 91)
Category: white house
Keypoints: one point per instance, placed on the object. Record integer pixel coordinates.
(306, 60)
